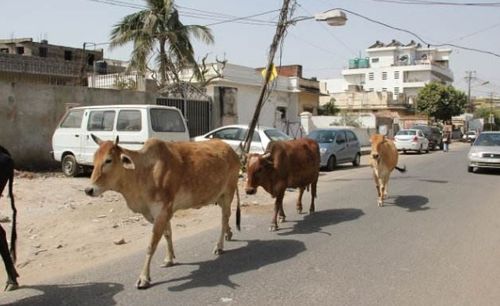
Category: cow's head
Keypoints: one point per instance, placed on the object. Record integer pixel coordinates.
(259, 167)
(110, 161)
(376, 140)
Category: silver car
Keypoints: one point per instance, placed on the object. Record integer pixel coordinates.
(411, 140)
(234, 135)
(485, 151)
(337, 146)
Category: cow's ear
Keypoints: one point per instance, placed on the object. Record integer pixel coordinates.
(96, 139)
(127, 162)
(117, 139)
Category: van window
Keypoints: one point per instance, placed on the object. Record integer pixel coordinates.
(129, 120)
(101, 121)
(73, 119)
(166, 120)
(340, 138)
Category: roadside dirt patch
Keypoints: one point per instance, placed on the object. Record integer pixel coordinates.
(61, 230)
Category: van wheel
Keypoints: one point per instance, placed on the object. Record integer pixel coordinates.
(356, 160)
(69, 166)
(332, 162)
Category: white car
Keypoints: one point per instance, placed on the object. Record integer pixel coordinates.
(411, 140)
(470, 136)
(234, 135)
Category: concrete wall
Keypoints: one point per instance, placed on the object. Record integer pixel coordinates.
(29, 114)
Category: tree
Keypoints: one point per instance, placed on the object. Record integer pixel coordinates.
(441, 101)
(328, 109)
(484, 112)
(158, 30)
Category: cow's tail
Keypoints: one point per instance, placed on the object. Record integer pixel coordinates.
(401, 169)
(238, 211)
(13, 237)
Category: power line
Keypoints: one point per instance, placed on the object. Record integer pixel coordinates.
(421, 2)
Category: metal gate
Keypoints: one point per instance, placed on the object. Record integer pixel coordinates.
(196, 106)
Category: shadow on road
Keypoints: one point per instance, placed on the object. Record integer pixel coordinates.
(73, 294)
(315, 222)
(412, 203)
(256, 255)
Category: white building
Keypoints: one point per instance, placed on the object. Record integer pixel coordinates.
(396, 68)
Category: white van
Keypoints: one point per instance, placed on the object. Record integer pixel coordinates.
(134, 124)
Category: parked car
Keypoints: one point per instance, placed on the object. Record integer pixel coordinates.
(134, 124)
(234, 135)
(337, 146)
(485, 151)
(411, 140)
(433, 134)
(470, 136)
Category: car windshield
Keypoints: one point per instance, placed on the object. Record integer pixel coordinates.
(275, 134)
(406, 132)
(322, 136)
(488, 140)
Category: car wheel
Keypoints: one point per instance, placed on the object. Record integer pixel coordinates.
(332, 162)
(404, 151)
(470, 169)
(357, 160)
(69, 166)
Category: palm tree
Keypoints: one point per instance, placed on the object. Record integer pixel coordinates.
(157, 29)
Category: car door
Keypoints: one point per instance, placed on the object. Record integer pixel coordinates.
(100, 123)
(353, 146)
(340, 147)
(230, 135)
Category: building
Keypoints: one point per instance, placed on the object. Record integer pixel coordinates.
(22, 59)
(394, 71)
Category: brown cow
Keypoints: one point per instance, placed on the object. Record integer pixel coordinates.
(9, 258)
(293, 163)
(164, 177)
(384, 159)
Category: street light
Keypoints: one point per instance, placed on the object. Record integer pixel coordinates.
(333, 17)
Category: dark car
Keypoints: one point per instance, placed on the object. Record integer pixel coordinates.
(433, 134)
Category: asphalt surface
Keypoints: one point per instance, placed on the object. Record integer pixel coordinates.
(435, 242)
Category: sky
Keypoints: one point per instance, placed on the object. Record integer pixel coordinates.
(322, 50)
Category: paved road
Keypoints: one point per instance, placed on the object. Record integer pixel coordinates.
(436, 242)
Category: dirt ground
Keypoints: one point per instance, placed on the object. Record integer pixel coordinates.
(61, 230)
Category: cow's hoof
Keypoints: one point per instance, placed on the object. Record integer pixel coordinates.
(273, 228)
(167, 264)
(11, 286)
(229, 236)
(143, 283)
(311, 210)
(218, 251)
(380, 204)
(299, 210)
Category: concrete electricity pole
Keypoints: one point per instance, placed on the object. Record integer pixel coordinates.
(469, 78)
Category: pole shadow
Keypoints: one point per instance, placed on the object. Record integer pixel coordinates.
(315, 222)
(255, 255)
(72, 294)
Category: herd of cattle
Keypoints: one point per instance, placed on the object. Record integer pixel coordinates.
(164, 177)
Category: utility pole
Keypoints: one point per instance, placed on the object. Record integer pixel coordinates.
(278, 36)
(469, 78)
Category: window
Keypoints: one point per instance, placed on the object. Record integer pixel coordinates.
(275, 134)
(243, 135)
(73, 119)
(4, 50)
(374, 60)
(101, 121)
(90, 59)
(68, 55)
(42, 52)
(229, 134)
(282, 112)
(129, 120)
(340, 138)
(351, 136)
(384, 75)
(396, 75)
(371, 89)
(371, 76)
(20, 50)
(166, 120)
(384, 89)
(396, 91)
